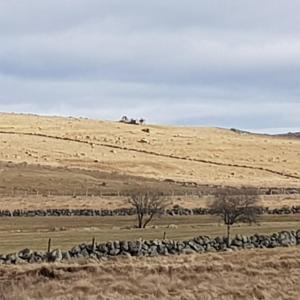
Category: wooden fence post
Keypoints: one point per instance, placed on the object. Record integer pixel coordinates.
(93, 244)
(49, 245)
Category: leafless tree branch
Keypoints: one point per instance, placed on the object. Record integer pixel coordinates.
(235, 208)
(147, 204)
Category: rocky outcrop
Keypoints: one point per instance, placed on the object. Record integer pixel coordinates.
(141, 248)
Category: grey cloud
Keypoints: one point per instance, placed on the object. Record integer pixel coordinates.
(222, 63)
(182, 105)
(56, 14)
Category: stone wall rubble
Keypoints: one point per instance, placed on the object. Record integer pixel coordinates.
(141, 248)
(129, 212)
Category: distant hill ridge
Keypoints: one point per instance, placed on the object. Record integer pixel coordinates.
(289, 134)
(200, 155)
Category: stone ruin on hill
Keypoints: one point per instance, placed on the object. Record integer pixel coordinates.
(131, 121)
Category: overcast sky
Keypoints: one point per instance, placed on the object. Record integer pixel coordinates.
(227, 63)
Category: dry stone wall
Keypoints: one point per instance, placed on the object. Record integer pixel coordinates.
(129, 212)
(141, 248)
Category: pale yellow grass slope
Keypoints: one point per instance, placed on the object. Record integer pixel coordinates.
(179, 153)
(260, 274)
(115, 202)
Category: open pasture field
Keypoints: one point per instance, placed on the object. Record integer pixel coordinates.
(66, 232)
(77, 153)
(255, 275)
(75, 163)
(35, 202)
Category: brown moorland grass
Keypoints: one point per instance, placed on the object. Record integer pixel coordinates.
(203, 155)
(66, 232)
(253, 274)
(35, 202)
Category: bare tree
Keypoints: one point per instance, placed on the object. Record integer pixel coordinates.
(147, 205)
(235, 208)
(124, 119)
(142, 121)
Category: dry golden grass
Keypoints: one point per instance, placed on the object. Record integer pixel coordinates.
(68, 155)
(62, 202)
(115, 147)
(256, 274)
(114, 202)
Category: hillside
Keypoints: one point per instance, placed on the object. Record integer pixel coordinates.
(81, 153)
